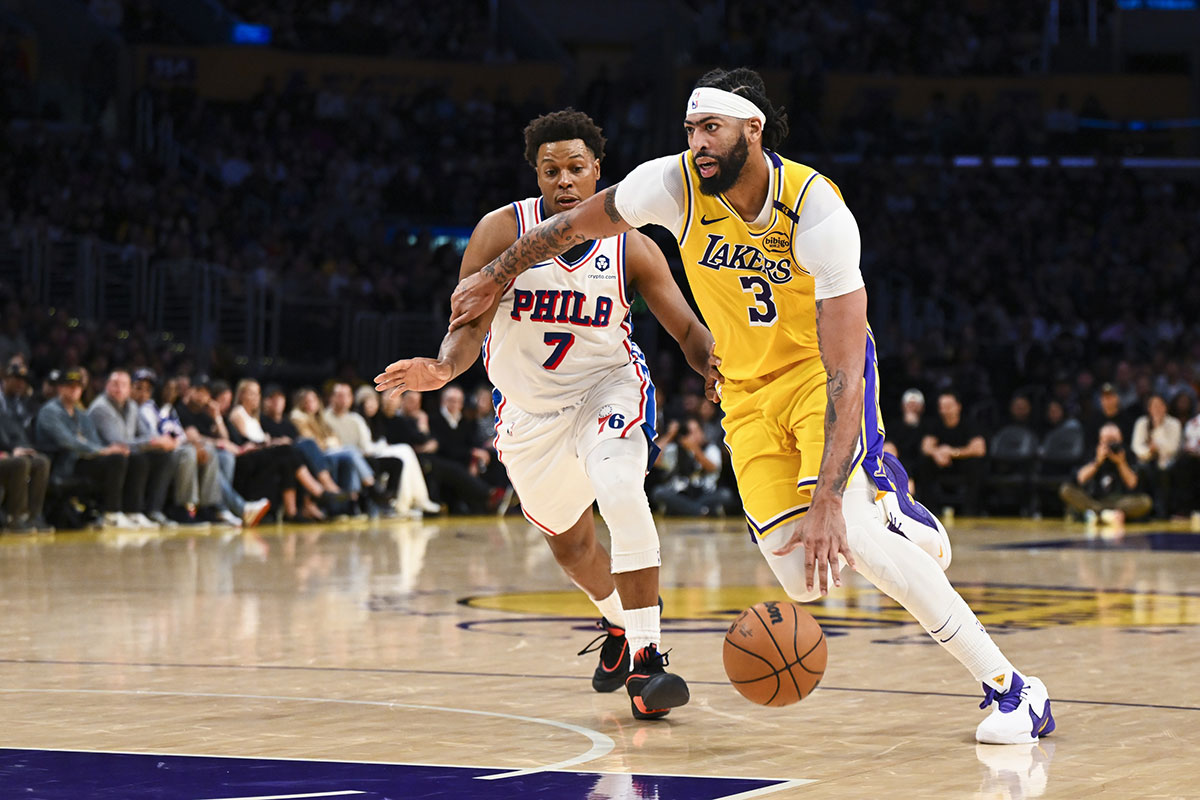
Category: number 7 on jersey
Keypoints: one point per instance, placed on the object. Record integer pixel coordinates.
(561, 342)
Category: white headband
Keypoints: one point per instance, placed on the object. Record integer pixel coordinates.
(709, 99)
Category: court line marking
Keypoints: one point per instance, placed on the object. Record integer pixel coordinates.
(766, 790)
(602, 744)
(531, 676)
(780, 785)
(390, 763)
(294, 796)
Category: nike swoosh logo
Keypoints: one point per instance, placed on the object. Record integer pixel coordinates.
(705, 221)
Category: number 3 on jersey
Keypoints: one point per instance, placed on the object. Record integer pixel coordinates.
(561, 342)
(762, 313)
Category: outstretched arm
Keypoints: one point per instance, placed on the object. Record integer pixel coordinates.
(460, 346)
(594, 218)
(650, 275)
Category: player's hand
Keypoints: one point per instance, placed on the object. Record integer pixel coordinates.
(415, 374)
(822, 534)
(713, 379)
(473, 296)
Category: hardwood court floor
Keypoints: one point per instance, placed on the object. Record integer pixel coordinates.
(354, 652)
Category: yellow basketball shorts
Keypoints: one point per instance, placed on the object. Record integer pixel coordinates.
(775, 432)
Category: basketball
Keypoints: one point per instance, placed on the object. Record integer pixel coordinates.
(775, 653)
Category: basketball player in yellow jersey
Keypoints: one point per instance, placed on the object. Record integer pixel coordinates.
(772, 256)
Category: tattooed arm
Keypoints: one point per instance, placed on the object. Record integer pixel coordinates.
(842, 337)
(594, 218)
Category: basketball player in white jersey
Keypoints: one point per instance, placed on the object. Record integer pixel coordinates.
(771, 252)
(574, 402)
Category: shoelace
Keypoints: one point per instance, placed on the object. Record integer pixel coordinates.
(661, 658)
(598, 642)
(1008, 701)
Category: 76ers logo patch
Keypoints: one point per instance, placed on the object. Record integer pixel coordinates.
(609, 417)
(602, 263)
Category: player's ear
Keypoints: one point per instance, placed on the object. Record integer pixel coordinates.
(754, 129)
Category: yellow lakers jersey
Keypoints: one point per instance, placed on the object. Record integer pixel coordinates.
(754, 295)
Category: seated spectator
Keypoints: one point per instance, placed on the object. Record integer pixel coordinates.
(24, 476)
(906, 436)
(352, 431)
(457, 438)
(278, 427)
(1107, 485)
(1157, 438)
(197, 488)
(204, 427)
(152, 456)
(412, 498)
(350, 466)
(693, 468)
(954, 451)
(245, 417)
(17, 398)
(266, 468)
(66, 433)
(405, 422)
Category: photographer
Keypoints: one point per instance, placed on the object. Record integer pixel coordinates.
(1107, 485)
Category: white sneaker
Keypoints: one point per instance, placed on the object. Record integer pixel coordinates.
(142, 521)
(115, 519)
(227, 517)
(254, 511)
(1021, 714)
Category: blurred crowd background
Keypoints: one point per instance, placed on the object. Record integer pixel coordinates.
(204, 192)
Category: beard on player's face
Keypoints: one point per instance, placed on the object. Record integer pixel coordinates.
(729, 167)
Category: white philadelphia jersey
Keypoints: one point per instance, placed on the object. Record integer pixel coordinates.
(561, 327)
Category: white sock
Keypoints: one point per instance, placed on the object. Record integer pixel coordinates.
(963, 636)
(642, 627)
(610, 609)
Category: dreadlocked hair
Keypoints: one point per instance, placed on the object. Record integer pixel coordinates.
(563, 126)
(747, 83)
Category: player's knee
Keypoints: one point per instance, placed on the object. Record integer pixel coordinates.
(573, 548)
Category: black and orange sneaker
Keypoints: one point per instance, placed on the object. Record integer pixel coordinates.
(614, 657)
(653, 691)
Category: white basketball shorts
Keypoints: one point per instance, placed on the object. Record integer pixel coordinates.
(545, 453)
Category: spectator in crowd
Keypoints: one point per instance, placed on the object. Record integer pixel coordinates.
(905, 437)
(353, 432)
(451, 483)
(1157, 438)
(412, 499)
(351, 468)
(24, 476)
(1020, 411)
(1108, 410)
(197, 488)
(246, 418)
(278, 427)
(457, 441)
(66, 432)
(17, 398)
(205, 428)
(954, 449)
(152, 458)
(1107, 485)
(692, 463)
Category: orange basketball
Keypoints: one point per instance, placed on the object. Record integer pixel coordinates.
(775, 653)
